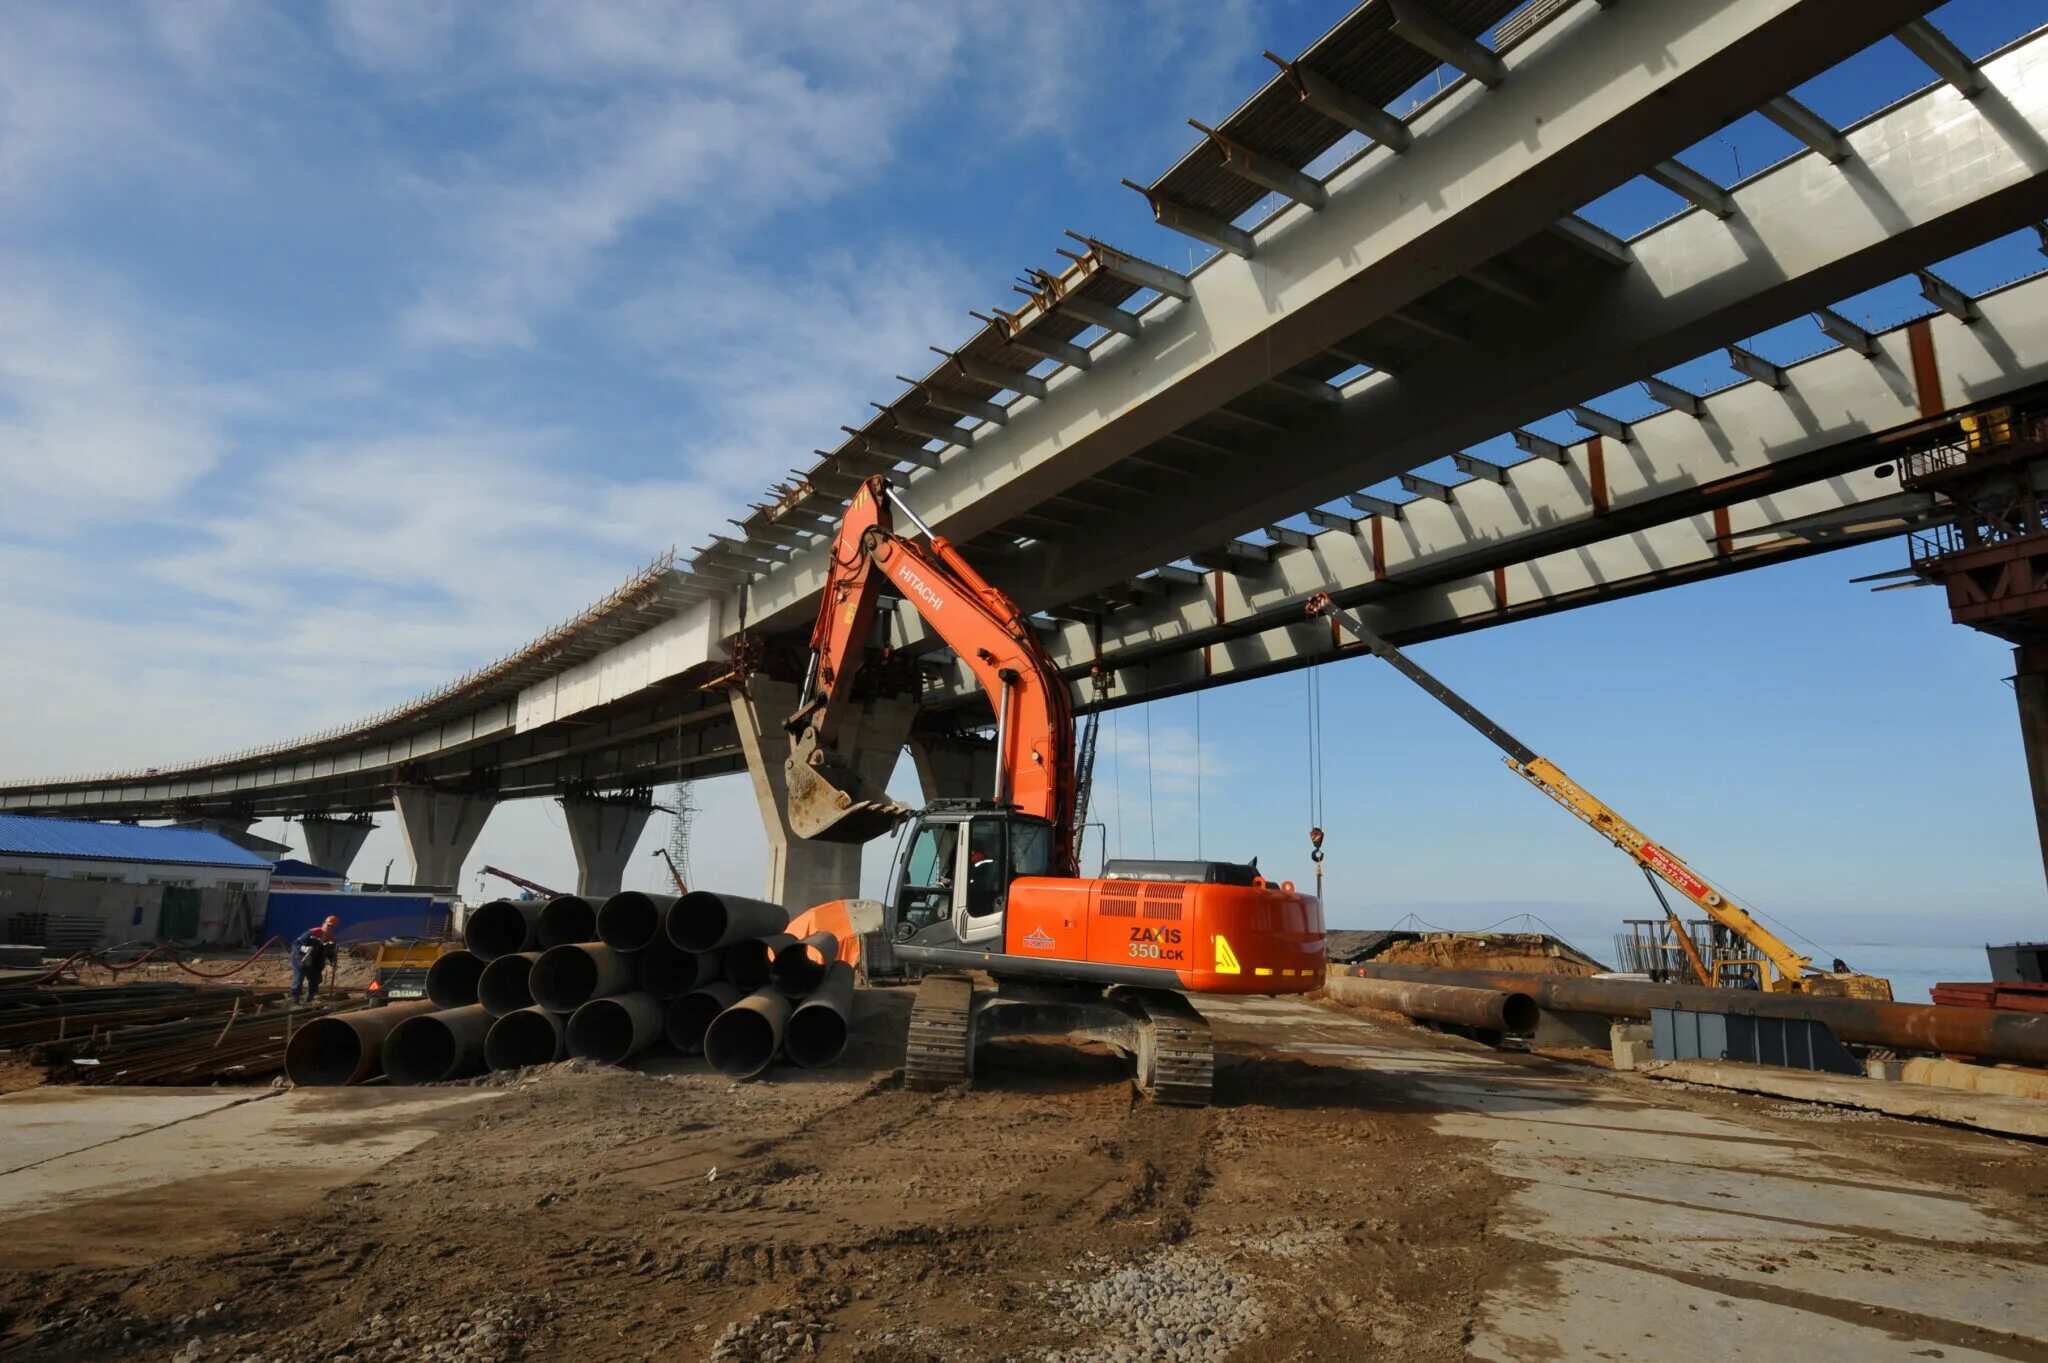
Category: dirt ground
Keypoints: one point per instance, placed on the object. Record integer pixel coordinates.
(1315, 1212)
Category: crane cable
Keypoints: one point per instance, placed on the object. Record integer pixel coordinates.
(1151, 815)
(1314, 689)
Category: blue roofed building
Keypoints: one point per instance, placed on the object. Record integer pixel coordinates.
(71, 883)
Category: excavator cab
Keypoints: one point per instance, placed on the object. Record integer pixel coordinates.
(953, 872)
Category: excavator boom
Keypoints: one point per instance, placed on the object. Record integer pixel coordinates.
(828, 799)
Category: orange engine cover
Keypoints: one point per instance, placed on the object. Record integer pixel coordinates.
(1214, 939)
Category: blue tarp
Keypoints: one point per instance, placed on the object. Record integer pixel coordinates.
(364, 917)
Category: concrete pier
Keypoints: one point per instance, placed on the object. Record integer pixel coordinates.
(803, 873)
(439, 827)
(332, 842)
(604, 830)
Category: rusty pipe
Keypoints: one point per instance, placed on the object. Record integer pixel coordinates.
(506, 986)
(1492, 1010)
(819, 1026)
(689, 1016)
(435, 1047)
(452, 979)
(568, 976)
(629, 920)
(702, 920)
(667, 971)
(614, 1029)
(742, 1041)
(1987, 1033)
(345, 1048)
(502, 927)
(568, 918)
(750, 965)
(800, 968)
(526, 1036)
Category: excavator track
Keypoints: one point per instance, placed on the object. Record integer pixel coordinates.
(1178, 1064)
(940, 1052)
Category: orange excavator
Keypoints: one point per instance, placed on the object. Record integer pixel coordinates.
(991, 884)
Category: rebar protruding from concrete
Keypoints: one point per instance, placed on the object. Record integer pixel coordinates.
(749, 965)
(667, 971)
(702, 920)
(452, 978)
(818, 1027)
(742, 1041)
(568, 976)
(800, 967)
(568, 918)
(689, 1016)
(1489, 1010)
(526, 1036)
(345, 1048)
(629, 920)
(506, 986)
(435, 1047)
(502, 927)
(615, 1029)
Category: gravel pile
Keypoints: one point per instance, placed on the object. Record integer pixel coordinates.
(1177, 1306)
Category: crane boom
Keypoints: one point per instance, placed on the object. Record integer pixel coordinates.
(828, 799)
(522, 882)
(1549, 778)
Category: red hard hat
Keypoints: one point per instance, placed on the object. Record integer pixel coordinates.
(332, 920)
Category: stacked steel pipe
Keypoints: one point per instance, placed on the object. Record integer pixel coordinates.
(711, 974)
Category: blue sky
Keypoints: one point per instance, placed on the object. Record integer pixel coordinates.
(348, 346)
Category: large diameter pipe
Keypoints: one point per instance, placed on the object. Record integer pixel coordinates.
(801, 967)
(505, 986)
(668, 972)
(690, 1015)
(567, 919)
(702, 920)
(1987, 1033)
(568, 976)
(615, 1029)
(750, 965)
(435, 1047)
(818, 1027)
(502, 927)
(345, 1048)
(526, 1036)
(742, 1041)
(629, 920)
(452, 979)
(1492, 1010)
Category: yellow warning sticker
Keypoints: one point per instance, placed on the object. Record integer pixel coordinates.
(1226, 959)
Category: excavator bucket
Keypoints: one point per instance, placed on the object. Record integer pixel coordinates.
(830, 802)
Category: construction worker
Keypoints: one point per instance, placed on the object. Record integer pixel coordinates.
(311, 955)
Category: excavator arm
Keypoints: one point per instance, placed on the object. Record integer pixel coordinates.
(828, 799)
(1551, 779)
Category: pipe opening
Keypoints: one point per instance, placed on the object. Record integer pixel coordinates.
(1518, 1012)
(629, 921)
(740, 1042)
(563, 979)
(420, 1050)
(501, 928)
(667, 971)
(749, 965)
(452, 979)
(506, 985)
(324, 1051)
(815, 1036)
(567, 918)
(689, 1017)
(530, 1036)
(602, 1030)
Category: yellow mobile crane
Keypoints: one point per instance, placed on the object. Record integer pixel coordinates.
(1789, 971)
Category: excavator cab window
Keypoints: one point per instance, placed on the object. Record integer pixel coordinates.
(926, 894)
